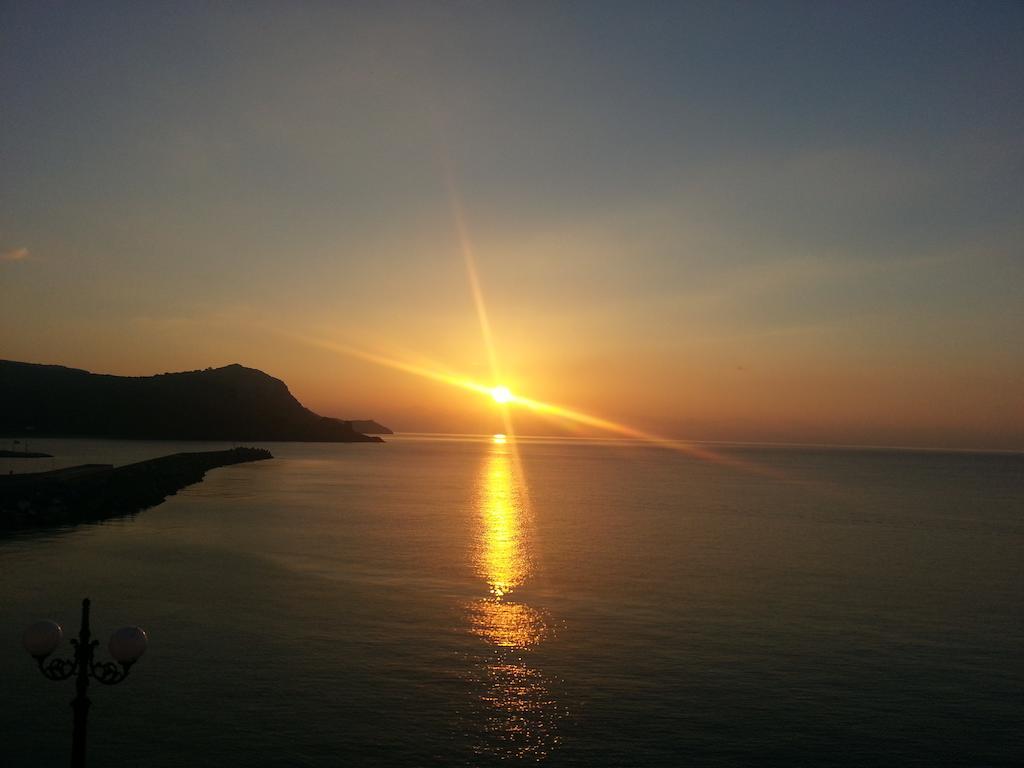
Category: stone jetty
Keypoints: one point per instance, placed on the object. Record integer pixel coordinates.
(92, 492)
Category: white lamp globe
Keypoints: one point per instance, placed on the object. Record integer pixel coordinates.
(42, 638)
(127, 644)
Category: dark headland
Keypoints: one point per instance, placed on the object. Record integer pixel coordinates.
(93, 492)
(230, 403)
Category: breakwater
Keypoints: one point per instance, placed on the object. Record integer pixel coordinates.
(92, 492)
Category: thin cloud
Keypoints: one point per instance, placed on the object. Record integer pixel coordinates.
(14, 254)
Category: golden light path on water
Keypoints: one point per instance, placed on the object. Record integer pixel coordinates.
(503, 558)
(522, 713)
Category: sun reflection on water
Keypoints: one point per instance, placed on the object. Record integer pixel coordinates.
(522, 713)
(503, 557)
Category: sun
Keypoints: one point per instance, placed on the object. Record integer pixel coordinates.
(502, 395)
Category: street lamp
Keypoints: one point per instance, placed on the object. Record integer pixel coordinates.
(126, 646)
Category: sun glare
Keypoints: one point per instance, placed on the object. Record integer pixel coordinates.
(502, 395)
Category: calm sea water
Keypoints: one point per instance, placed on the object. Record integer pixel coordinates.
(458, 602)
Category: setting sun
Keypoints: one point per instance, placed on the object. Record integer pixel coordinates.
(502, 395)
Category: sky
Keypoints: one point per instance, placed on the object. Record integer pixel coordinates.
(792, 222)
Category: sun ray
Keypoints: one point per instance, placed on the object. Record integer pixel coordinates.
(500, 393)
(469, 260)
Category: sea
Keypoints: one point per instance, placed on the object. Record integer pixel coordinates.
(474, 601)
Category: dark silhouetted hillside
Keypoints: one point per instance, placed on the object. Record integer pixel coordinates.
(370, 427)
(230, 403)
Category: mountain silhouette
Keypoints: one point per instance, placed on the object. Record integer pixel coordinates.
(370, 427)
(229, 403)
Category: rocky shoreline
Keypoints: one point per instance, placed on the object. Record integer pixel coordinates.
(93, 492)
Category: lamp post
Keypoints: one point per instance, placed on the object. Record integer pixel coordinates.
(126, 646)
